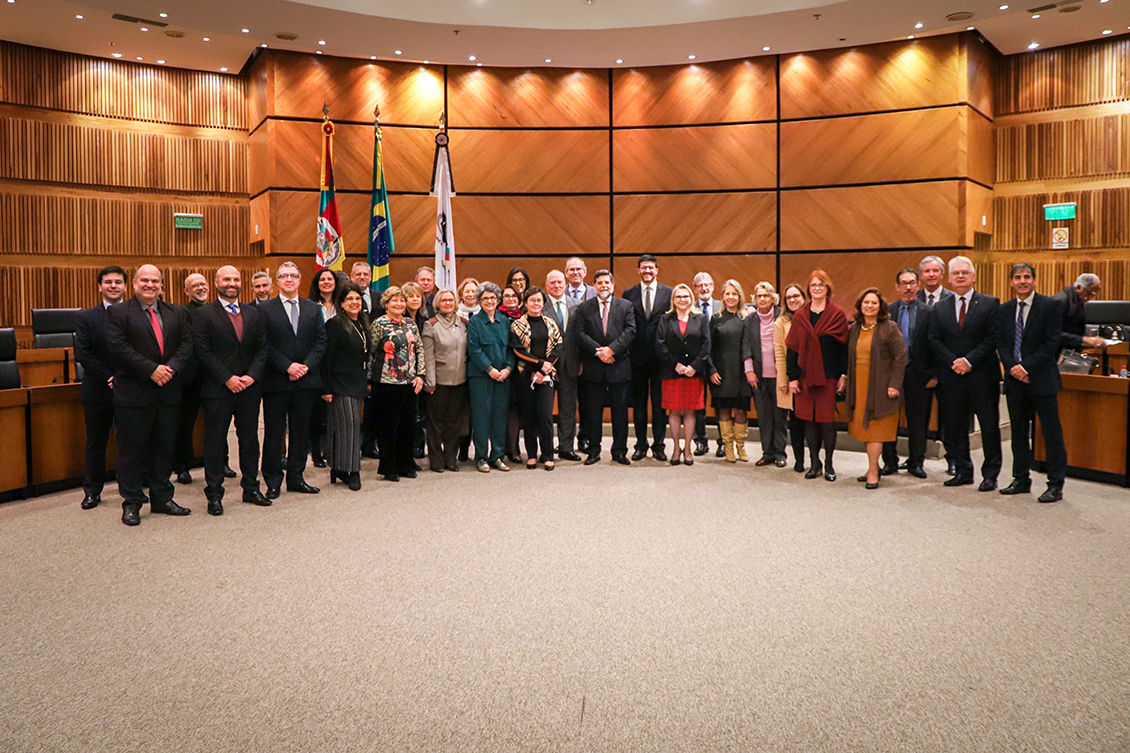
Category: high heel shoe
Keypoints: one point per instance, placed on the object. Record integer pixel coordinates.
(354, 481)
(336, 475)
(816, 469)
(675, 456)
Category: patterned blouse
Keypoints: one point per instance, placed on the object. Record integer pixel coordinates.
(397, 355)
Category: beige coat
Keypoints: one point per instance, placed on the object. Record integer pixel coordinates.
(781, 329)
(445, 352)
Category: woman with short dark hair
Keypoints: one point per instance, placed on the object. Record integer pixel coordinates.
(538, 344)
(489, 364)
(397, 374)
(346, 384)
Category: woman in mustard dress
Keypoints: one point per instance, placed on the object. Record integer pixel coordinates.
(876, 362)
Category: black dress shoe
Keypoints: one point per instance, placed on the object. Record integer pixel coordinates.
(888, 470)
(637, 455)
(319, 461)
(720, 452)
(370, 452)
(1054, 493)
(675, 460)
(215, 507)
(701, 448)
(951, 468)
(904, 465)
(255, 497)
(659, 454)
(90, 501)
(592, 460)
(301, 487)
(861, 479)
(830, 475)
(872, 486)
(570, 455)
(798, 466)
(1018, 486)
(354, 481)
(131, 515)
(814, 471)
(408, 474)
(169, 508)
(392, 477)
(228, 472)
(917, 471)
(184, 477)
(987, 485)
(621, 459)
(958, 481)
(454, 467)
(273, 492)
(688, 461)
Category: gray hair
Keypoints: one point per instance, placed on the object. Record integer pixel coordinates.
(926, 260)
(487, 287)
(1087, 280)
(260, 275)
(288, 265)
(702, 276)
(768, 288)
(965, 259)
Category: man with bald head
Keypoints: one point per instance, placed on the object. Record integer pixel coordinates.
(231, 349)
(196, 290)
(151, 345)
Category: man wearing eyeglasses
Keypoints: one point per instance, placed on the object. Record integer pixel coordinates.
(912, 317)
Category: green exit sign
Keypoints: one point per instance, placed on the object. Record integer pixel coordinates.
(196, 221)
(1059, 211)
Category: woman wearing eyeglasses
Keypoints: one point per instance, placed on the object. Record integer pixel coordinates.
(794, 298)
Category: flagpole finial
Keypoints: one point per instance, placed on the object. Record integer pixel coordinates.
(377, 113)
(442, 120)
(325, 111)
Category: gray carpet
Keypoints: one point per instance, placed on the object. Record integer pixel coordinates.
(712, 608)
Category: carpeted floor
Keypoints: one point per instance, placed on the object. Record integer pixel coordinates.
(708, 608)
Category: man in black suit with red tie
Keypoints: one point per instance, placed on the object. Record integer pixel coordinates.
(605, 329)
(962, 337)
(231, 350)
(151, 344)
(98, 376)
(1028, 338)
(650, 300)
(296, 342)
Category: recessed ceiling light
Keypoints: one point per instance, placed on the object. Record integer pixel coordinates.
(910, 36)
(1106, 31)
(140, 58)
(11, 1)
(1035, 16)
(145, 28)
(263, 45)
(480, 65)
(160, 62)
(690, 57)
(397, 52)
(619, 61)
(206, 39)
(163, 15)
(918, 25)
(1033, 46)
(969, 28)
(427, 62)
(246, 31)
(112, 54)
(1003, 7)
(79, 17)
(548, 60)
(472, 58)
(322, 42)
(223, 70)
(317, 52)
(765, 48)
(372, 57)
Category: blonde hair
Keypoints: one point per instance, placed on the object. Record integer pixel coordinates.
(683, 286)
(737, 286)
(768, 288)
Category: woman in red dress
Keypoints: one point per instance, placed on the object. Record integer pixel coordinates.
(682, 342)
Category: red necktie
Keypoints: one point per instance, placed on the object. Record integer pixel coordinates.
(961, 314)
(157, 330)
(604, 316)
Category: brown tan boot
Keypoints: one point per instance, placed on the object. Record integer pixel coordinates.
(726, 429)
(741, 430)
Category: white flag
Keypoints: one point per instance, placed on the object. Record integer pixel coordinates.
(445, 233)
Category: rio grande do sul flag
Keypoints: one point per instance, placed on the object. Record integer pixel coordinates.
(330, 252)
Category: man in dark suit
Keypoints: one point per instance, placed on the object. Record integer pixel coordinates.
(709, 305)
(562, 309)
(426, 279)
(931, 274)
(576, 287)
(1028, 332)
(296, 341)
(963, 341)
(97, 381)
(151, 345)
(361, 274)
(650, 300)
(196, 289)
(231, 350)
(912, 317)
(1074, 298)
(606, 327)
(261, 287)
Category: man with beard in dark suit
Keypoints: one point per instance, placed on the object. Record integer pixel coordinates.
(606, 327)
(151, 345)
(97, 381)
(650, 300)
(196, 288)
(913, 318)
(296, 341)
(963, 339)
(1028, 338)
(231, 350)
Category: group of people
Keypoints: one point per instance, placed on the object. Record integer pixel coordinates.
(347, 372)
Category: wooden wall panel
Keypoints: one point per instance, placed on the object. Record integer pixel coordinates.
(890, 76)
(41, 150)
(515, 97)
(1081, 148)
(980, 150)
(76, 83)
(731, 91)
(747, 269)
(260, 229)
(260, 160)
(294, 214)
(1102, 220)
(1082, 74)
(912, 215)
(980, 59)
(295, 157)
(977, 210)
(528, 161)
(407, 93)
(874, 148)
(853, 272)
(695, 159)
(1055, 271)
(696, 223)
(53, 222)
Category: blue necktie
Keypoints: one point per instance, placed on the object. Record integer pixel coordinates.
(904, 325)
(1018, 333)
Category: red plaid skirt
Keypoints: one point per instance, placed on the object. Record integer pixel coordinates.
(683, 393)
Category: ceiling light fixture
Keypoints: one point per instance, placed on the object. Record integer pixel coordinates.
(246, 31)
(223, 70)
(969, 28)
(372, 57)
(548, 60)
(427, 62)
(163, 15)
(322, 42)
(1035, 16)
(398, 52)
(918, 25)
(145, 28)
(1003, 7)
(112, 54)
(140, 58)
(765, 48)
(1033, 46)
(619, 61)
(690, 57)
(480, 65)
(263, 45)
(79, 17)
(910, 36)
(1107, 31)
(160, 62)
(317, 52)
(472, 58)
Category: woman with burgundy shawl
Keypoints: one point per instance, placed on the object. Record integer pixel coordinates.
(817, 362)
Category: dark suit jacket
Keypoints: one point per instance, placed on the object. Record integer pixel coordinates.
(568, 363)
(1074, 318)
(221, 354)
(93, 353)
(975, 342)
(284, 347)
(919, 358)
(946, 295)
(691, 349)
(1039, 344)
(133, 344)
(590, 292)
(751, 342)
(643, 349)
(590, 336)
(344, 367)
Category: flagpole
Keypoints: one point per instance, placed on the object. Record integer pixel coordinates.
(329, 250)
(381, 243)
(443, 188)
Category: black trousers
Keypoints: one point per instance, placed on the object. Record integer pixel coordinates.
(288, 407)
(146, 441)
(1023, 408)
(964, 400)
(185, 454)
(99, 420)
(369, 424)
(917, 402)
(535, 402)
(647, 384)
(594, 396)
(566, 412)
(218, 414)
(396, 428)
